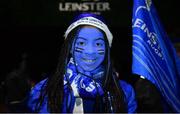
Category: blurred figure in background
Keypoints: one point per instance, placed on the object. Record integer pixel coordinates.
(15, 87)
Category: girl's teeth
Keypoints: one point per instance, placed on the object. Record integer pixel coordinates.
(88, 60)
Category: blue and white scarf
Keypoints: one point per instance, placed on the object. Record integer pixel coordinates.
(83, 86)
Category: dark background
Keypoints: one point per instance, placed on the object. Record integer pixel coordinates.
(36, 28)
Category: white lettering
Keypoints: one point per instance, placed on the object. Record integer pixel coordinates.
(84, 6)
(91, 5)
(157, 51)
(90, 88)
(151, 36)
(100, 7)
(76, 7)
(146, 30)
(61, 8)
(106, 6)
(137, 23)
(143, 26)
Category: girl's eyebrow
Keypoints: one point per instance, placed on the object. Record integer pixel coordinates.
(100, 39)
(95, 39)
(81, 38)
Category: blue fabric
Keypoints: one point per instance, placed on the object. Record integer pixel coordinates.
(130, 96)
(85, 85)
(34, 97)
(153, 54)
(35, 92)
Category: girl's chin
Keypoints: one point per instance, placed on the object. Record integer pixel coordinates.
(88, 69)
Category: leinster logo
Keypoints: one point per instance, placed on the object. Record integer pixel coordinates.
(96, 6)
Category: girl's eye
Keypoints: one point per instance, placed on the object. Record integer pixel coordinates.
(98, 44)
(81, 43)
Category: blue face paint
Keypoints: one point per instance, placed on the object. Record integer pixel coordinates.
(89, 49)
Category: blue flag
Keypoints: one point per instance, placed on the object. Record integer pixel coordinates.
(154, 57)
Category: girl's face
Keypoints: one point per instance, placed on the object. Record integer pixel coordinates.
(89, 49)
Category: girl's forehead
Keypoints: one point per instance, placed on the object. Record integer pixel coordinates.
(89, 32)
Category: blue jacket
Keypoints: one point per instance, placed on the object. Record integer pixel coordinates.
(35, 92)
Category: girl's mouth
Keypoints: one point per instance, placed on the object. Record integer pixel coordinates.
(89, 60)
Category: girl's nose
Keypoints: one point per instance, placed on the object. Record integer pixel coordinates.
(90, 49)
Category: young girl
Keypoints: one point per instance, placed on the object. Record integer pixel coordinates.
(84, 80)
